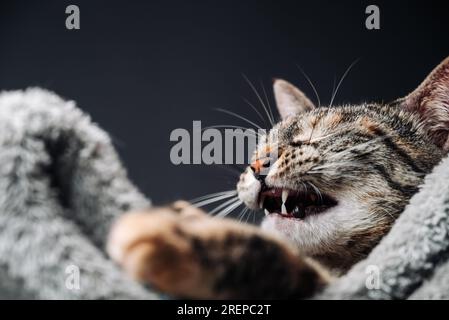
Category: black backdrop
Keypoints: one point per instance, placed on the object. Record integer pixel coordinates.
(143, 68)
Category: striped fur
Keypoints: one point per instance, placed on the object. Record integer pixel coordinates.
(367, 160)
(371, 158)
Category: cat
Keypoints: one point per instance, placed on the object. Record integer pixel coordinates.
(340, 178)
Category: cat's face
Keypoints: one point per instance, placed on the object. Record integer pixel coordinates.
(333, 180)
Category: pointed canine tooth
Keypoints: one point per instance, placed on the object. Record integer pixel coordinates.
(266, 212)
(283, 209)
(284, 195)
(262, 198)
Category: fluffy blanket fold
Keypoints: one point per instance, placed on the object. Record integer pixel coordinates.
(62, 185)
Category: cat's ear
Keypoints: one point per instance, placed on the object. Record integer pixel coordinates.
(289, 99)
(431, 101)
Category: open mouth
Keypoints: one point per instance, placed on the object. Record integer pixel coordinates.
(294, 204)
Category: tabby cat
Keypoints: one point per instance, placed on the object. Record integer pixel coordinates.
(340, 178)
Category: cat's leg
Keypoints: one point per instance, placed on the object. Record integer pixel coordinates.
(186, 253)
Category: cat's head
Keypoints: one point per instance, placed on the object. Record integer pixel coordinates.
(333, 179)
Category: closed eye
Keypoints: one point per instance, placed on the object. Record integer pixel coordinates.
(296, 144)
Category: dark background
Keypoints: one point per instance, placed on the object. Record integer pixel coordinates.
(144, 68)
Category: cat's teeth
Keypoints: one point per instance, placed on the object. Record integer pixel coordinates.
(283, 209)
(262, 198)
(266, 212)
(284, 195)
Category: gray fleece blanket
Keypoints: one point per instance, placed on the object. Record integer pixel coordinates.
(62, 185)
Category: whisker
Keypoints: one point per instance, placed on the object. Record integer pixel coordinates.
(255, 109)
(259, 98)
(210, 195)
(248, 214)
(254, 133)
(251, 216)
(333, 87)
(224, 205)
(304, 186)
(239, 116)
(268, 102)
(341, 80)
(212, 200)
(242, 214)
(316, 190)
(229, 209)
(311, 84)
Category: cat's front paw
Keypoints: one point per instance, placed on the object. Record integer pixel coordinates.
(186, 253)
(152, 247)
